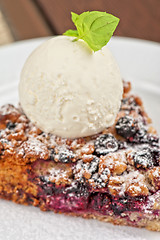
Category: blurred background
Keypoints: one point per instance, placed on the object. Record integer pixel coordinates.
(25, 19)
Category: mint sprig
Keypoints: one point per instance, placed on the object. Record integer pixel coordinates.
(95, 28)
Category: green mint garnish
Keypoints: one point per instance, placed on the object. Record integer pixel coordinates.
(95, 28)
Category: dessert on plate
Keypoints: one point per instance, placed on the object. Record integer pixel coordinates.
(80, 142)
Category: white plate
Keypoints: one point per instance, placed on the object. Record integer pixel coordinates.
(139, 62)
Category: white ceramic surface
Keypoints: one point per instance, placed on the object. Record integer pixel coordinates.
(139, 62)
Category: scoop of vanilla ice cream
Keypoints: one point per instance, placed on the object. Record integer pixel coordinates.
(69, 90)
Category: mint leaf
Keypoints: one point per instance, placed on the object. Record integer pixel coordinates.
(95, 28)
(73, 33)
(74, 16)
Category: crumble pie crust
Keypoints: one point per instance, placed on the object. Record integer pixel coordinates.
(113, 176)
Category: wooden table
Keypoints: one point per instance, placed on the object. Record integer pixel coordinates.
(38, 18)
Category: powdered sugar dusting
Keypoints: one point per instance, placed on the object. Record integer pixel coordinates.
(132, 183)
(31, 148)
(59, 175)
(8, 109)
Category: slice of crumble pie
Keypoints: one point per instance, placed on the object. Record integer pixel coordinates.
(113, 176)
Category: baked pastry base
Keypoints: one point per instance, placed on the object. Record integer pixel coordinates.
(113, 176)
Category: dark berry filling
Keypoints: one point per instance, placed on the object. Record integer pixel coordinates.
(156, 155)
(66, 198)
(122, 145)
(65, 156)
(132, 130)
(79, 198)
(105, 144)
(10, 125)
(139, 137)
(143, 158)
(135, 133)
(125, 127)
(120, 205)
(52, 154)
(91, 167)
(62, 155)
(129, 103)
(78, 189)
(99, 202)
